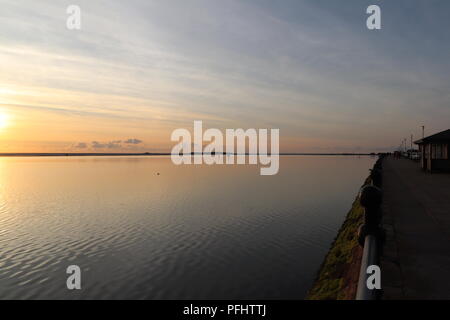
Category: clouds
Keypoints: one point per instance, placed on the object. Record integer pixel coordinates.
(114, 144)
(107, 145)
(310, 68)
(81, 145)
(133, 141)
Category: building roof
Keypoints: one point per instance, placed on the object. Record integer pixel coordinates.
(443, 136)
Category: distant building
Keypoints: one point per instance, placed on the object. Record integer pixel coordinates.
(435, 151)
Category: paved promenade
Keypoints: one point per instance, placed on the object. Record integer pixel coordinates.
(416, 209)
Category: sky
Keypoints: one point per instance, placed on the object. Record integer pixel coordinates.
(139, 69)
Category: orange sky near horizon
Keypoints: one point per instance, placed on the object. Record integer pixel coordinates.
(37, 119)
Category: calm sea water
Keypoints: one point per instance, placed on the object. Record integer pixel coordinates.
(191, 232)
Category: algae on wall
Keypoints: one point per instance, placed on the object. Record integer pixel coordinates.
(337, 278)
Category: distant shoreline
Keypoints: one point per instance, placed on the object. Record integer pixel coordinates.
(161, 154)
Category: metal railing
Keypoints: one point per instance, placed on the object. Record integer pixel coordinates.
(370, 257)
(370, 233)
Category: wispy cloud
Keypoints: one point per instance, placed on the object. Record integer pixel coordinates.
(107, 145)
(81, 145)
(310, 68)
(133, 141)
(113, 144)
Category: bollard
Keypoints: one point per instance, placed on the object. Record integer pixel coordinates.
(369, 237)
(375, 175)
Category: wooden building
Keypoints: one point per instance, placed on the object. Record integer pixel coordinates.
(435, 151)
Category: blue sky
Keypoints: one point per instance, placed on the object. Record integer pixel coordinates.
(140, 69)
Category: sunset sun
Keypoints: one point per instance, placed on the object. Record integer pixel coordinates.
(4, 120)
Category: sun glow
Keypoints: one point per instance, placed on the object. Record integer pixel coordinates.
(4, 120)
